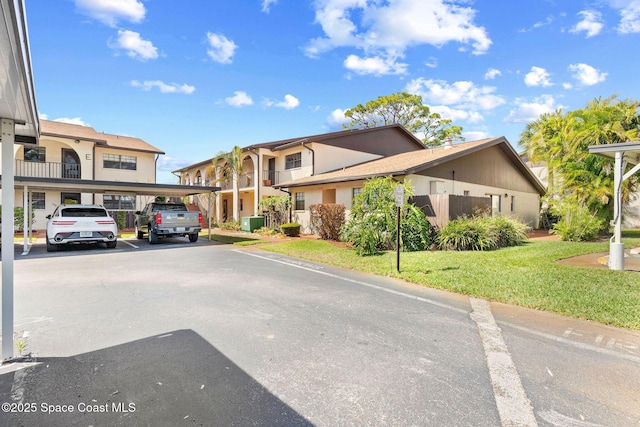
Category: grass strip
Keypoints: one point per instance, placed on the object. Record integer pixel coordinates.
(527, 275)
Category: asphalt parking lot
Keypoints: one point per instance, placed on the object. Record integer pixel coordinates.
(37, 249)
(211, 334)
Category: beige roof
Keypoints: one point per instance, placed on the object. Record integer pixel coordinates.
(412, 162)
(87, 133)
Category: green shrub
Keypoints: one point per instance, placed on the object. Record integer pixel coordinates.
(575, 222)
(468, 234)
(372, 222)
(327, 219)
(291, 229)
(416, 232)
(231, 226)
(510, 232)
(121, 219)
(18, 217)
(266, 231)
(482, 233)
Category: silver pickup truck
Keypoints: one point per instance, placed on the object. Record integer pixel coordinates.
(167, 220)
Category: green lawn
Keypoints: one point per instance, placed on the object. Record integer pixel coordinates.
(526, 275)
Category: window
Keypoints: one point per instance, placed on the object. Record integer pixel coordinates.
(466, 192)
(35, 154)
(356, 191)
(37, 201)
(119, 202)
(293, 161)
(117, 161)
(299, 201)
(513, 203)
(241, 205)
(436, 187)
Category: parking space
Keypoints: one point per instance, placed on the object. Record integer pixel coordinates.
(38, 249)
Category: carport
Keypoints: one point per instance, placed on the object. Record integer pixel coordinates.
(623, 154)
(19, 123)
(29, 184)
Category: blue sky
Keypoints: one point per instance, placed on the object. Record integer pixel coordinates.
(196, 77)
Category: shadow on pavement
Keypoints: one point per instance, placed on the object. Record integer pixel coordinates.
(170, 379)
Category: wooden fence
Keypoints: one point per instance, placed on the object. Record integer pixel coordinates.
(442, 208)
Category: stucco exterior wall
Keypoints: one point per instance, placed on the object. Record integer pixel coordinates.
(328, 158)
(145, 167)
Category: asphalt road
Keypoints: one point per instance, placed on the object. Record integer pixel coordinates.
(209, 334)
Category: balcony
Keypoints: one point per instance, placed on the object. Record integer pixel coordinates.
(47, 169)
(270, 177)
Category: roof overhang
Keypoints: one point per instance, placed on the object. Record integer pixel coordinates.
(17, 96)
(109, 187)
(630, 150)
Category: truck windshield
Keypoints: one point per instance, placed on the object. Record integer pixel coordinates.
(169, 208)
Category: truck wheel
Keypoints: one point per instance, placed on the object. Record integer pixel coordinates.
(193, 237)
(139, 233)
(50, 247)
(153, 237)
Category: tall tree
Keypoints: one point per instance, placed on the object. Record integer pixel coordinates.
(563, 140)
(227, 168)
(407, 110)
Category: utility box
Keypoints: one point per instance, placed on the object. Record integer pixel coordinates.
(251, 223)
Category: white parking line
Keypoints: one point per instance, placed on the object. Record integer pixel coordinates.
(513, 404)
(369, 285)
(129, 243)
(511, 400)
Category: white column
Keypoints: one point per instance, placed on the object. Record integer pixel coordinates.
(7, 129)
(616, 247)
(26, 216)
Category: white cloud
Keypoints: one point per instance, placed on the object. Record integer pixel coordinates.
(629, 15)
(168, 164)
(492, 73)
(135, 46)
(475, 135)
(387, 29)
(591, 23)
(374, 65)
(526, 112)
(567, 86)
(221, 49)
(538, 77)
(147, 85)
(72, 121)
(290, 102)
(239, 99)
(586, 74)
(110, 12)
(461, 94)
(336, 119)
(458, 101)
(432, 62)
(457, 114)
(266, 5)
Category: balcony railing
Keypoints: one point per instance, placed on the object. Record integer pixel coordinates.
(270, 177)
(247, 180)
(47, 169)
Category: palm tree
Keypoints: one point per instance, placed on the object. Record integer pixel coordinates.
(563, 140)
(227, 168)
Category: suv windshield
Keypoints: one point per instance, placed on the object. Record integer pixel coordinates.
(84, 212)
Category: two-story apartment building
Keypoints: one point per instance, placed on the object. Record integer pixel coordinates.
(332, 168)
(77, 164)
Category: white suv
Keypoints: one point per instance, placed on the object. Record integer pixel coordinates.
(80, 224)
